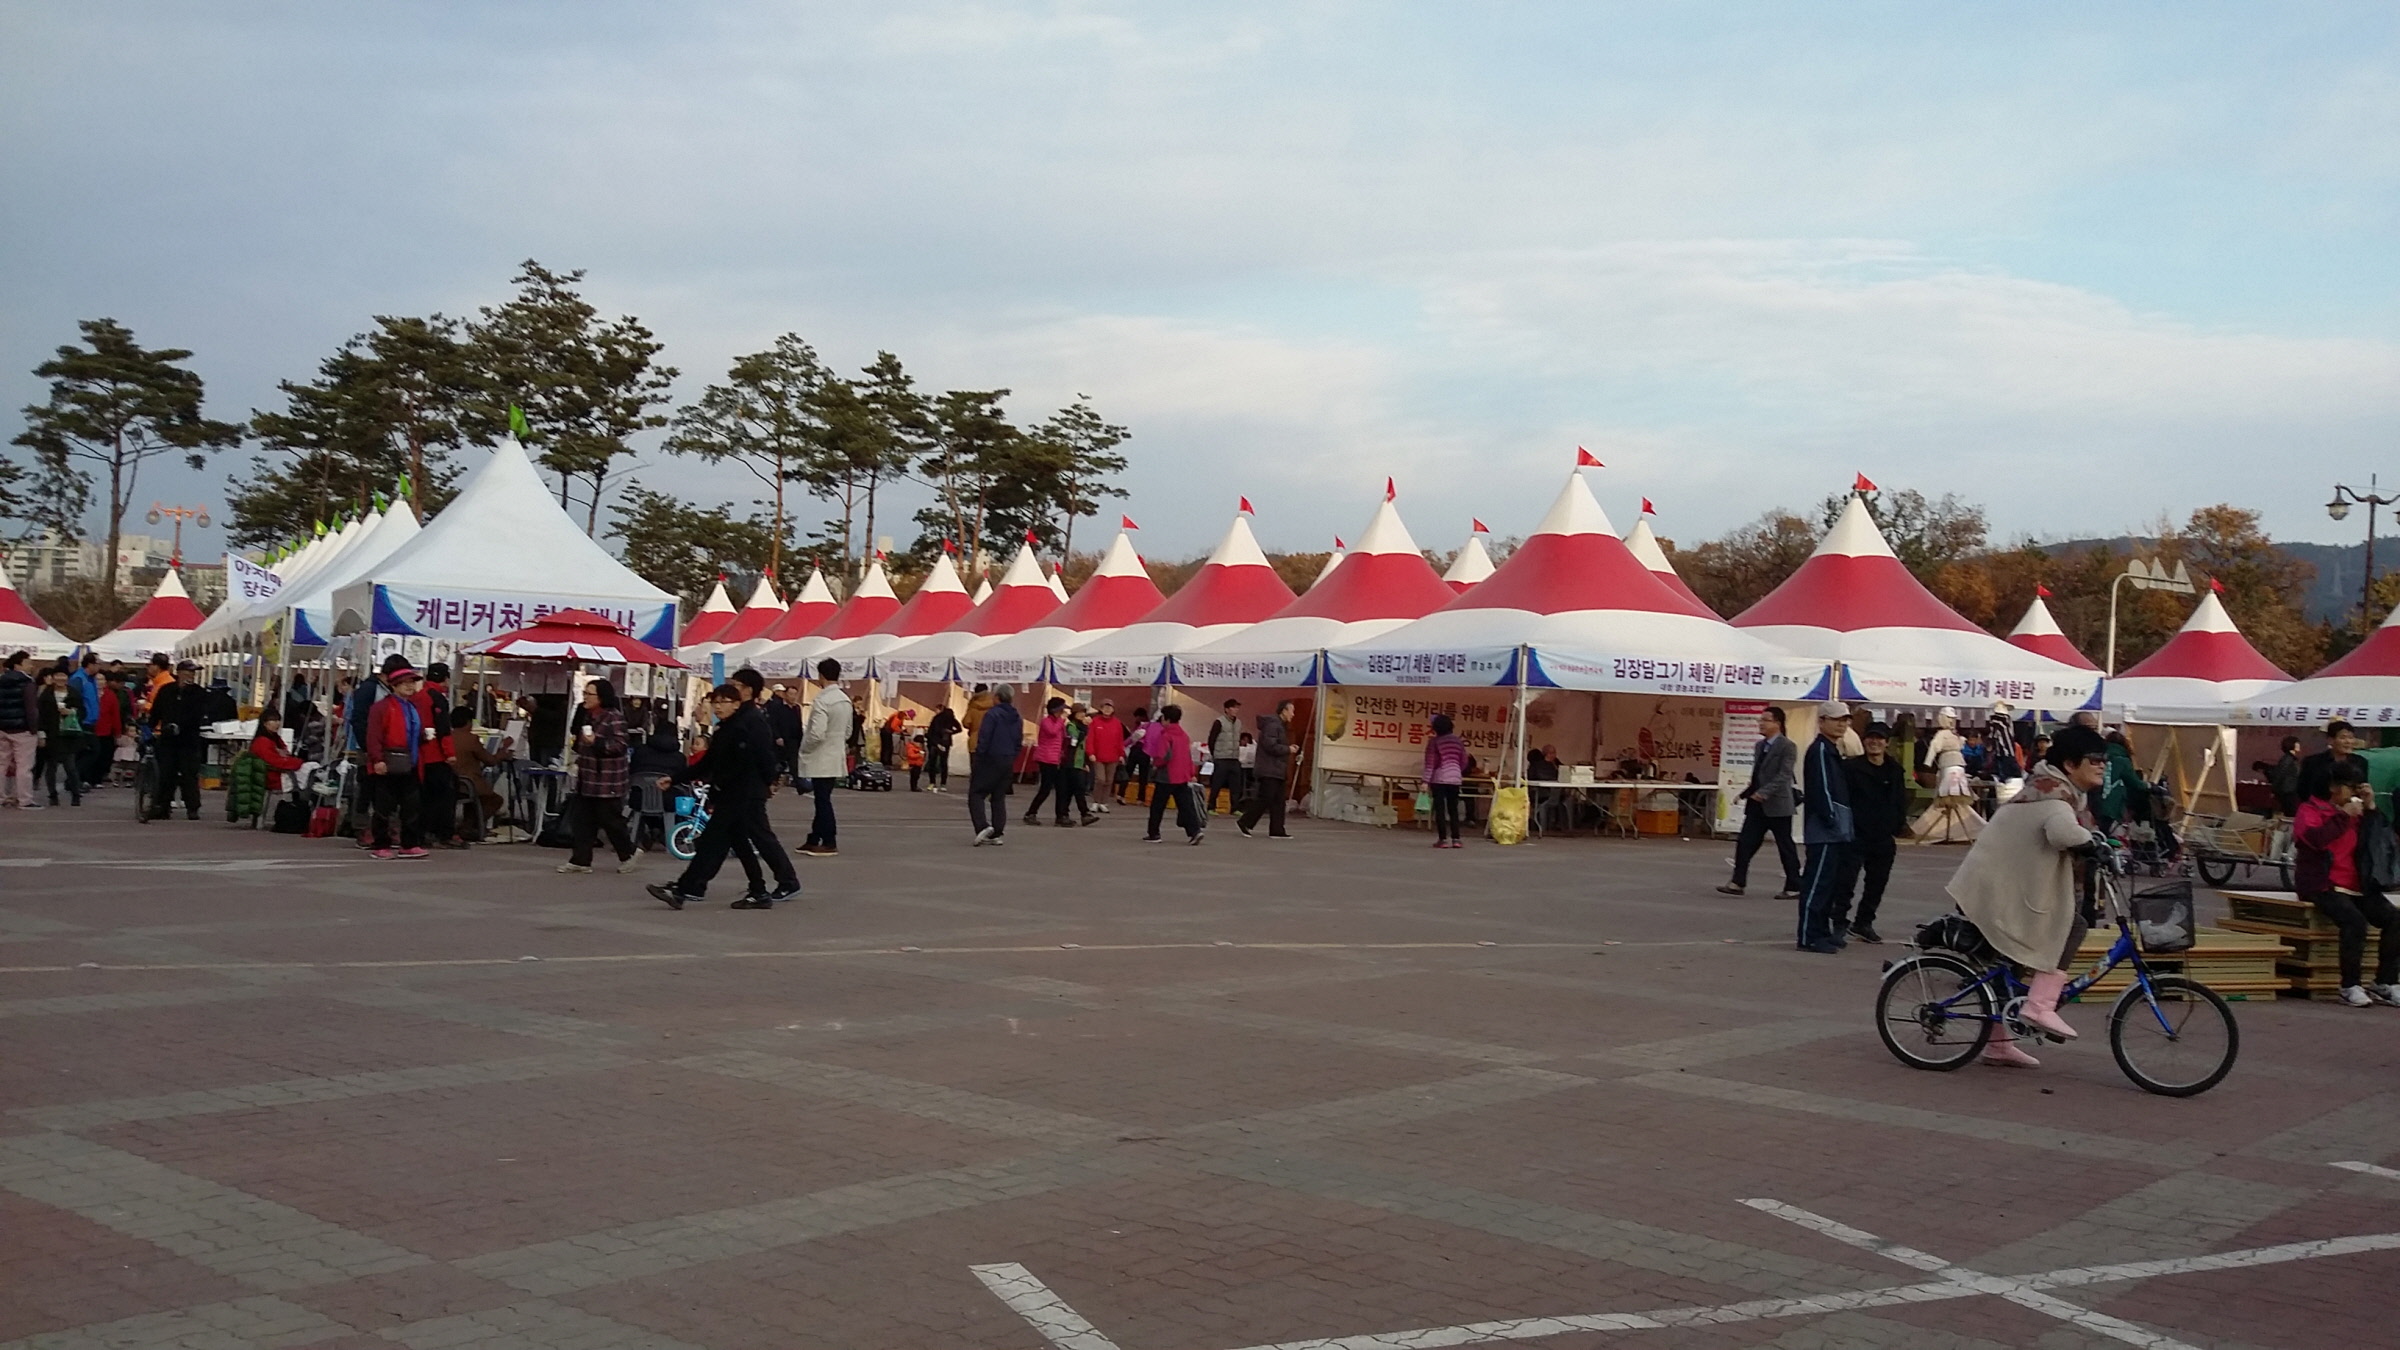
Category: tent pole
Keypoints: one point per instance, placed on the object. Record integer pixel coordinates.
(1518, 762)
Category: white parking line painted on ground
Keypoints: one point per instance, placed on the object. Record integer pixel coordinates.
(2388, 1173)
(1059, 1324)
(1067, 1329)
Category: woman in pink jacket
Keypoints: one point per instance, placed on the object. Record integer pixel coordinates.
(1171, 776)
(1445, 770)
(1049, 759)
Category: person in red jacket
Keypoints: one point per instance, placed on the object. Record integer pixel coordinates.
(2328, 837)
(400, 734)
(268, 746)
(1104, 746)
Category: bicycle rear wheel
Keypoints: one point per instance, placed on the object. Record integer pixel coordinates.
(684, 840)
(145, 788)
(2178, 1041)
(1934, 1011)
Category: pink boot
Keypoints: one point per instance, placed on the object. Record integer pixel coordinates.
(2041, 1003)
(2002, 1051)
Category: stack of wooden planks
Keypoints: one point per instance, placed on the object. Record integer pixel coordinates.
(2235, 963)
(2310, 963)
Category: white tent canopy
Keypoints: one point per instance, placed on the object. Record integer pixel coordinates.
(501, 555)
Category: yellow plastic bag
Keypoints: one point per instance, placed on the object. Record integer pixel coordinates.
(1509, 810)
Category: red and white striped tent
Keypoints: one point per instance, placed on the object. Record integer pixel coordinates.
(2038, 632)
(22, 630)
(157, 626)
(1023, 599)
(1586, 614)
(1119, 592)
(2198, 677)
(865, 611)
(809, 610)
(1471, 565)
(716, 614)
(1235, 588)
(1644, 546)
(2362, 688)
(754, 618)
(574, 635)
(1853, 602)
(1383, 582)
(940, 602)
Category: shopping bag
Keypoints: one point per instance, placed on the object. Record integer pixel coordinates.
(321, 823)
(1424, 805)
(1510, 806)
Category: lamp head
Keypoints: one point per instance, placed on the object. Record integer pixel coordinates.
(2338, 508)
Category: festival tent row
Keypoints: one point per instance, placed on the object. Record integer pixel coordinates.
(22, 630)
(867, 609)
(2198, 677)
(808, 612)
(940, 602)
(716, 613)
(2038, 632)
(2362, 688)
(1025, 597)
(1119, 592)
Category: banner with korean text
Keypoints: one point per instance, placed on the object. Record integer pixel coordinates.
(248, 582)
(465, 615)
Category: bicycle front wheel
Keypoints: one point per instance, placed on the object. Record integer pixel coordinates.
(1934, 1011)
(2177, 1040)
(684, 840)
(145, 789)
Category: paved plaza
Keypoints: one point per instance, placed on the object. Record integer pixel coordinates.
(1343, 1091)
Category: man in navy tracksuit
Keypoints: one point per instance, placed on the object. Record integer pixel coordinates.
(1827, 829)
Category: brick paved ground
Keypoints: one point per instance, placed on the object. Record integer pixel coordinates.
(260, 1091)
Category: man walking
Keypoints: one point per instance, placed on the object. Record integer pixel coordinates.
(823, 749)
(739, 767)
(999, 739)
(1827, 827)
(178, 713)
(1879, 808)
(1271, 771)
(20, 725)
(1225, 751)
(1767, 807)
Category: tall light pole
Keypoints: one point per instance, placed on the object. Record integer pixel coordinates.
(2339, 508)
(198, 515)
(2145, 577)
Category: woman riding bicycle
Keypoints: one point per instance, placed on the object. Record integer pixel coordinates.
(2019, 884)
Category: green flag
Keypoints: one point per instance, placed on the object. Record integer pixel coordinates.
(320, 529)
(381, 504)
(405, 489)
(517, 426)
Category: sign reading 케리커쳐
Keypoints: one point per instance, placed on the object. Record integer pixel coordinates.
(466, 615)
(248, 582)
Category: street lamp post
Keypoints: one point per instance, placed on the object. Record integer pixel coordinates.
(198, 515)
(2145, 577)
(2339, 508)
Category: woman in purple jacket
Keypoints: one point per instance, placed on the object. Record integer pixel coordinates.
(1445, 770)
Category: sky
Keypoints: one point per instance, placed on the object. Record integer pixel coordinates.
(2089, 266)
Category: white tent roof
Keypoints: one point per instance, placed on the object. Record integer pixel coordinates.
(1383, 583)
(1235, 588)
(1471, 565)
(808, 611)
(2197, 676)
(1024, 595)
(1854, 602)
(2363, 687)
(1118, 592)
(983, 590)
(873, 602)
(22, 630)
(236, 622)
(502, 542)
(939, 602)
(311, 601)
(1592, 617)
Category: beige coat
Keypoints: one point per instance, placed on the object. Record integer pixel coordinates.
(2017, 883)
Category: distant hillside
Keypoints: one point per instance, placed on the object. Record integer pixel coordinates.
(2341, 568)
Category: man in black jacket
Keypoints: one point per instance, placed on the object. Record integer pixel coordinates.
(1270, 773)
(1879, 807)
(2316, 771)
(178, 714)
(993, 766)
(739, 767)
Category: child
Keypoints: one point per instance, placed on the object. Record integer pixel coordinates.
(916, 759)
(2329, 873)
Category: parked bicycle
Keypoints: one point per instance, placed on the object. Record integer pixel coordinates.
(2171, 1034)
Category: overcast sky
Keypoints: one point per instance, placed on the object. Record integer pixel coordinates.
(2083, 268)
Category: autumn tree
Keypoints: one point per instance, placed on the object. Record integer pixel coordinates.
(1735, 572)
(683, 548)
(767, 417)
(115, 406)
(1086, 446)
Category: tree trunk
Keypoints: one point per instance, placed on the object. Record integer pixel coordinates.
(775, 545)
(416, 465)
(116, 514)
(871, 482)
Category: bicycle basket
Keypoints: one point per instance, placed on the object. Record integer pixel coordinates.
(2163, 918)
(1954, 932)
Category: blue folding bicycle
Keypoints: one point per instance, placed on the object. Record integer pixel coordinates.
(2171, 1034)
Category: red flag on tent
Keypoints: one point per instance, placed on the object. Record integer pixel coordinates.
(1647, 508)
(1479, 527)
(1126, 523)
(2041, 590)
(2216, 585)
(948, 547)
(1337, 542)
(1863, 484)
(1390, 493)
(1029, 537)
(1584, 459)
(1246, 507)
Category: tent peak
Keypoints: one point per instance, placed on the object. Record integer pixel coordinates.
(1855, 534)
(1575, 511)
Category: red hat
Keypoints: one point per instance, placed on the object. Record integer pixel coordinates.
(400, 674)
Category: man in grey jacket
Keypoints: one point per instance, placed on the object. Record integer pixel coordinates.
(1270, 773)
(1767, 807)
(824, 753)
